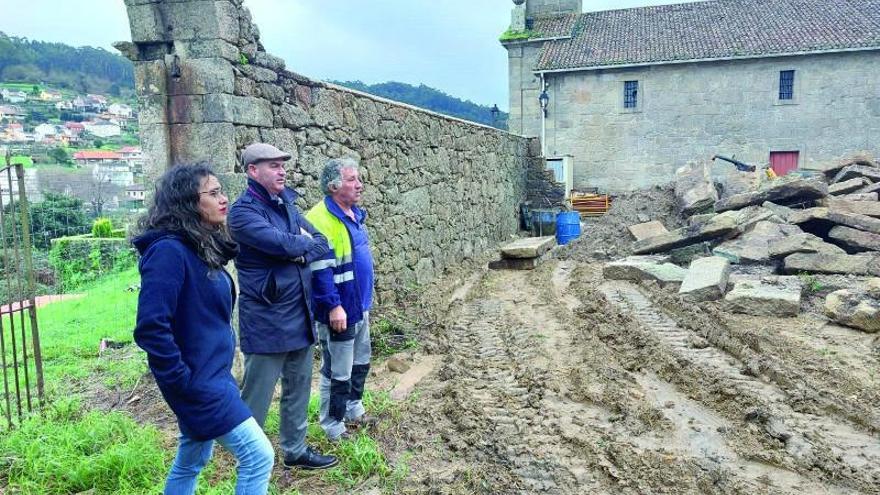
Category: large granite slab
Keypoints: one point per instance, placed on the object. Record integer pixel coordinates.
(528, 247)
(785, 192)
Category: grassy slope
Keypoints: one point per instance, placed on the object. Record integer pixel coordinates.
(71, 449)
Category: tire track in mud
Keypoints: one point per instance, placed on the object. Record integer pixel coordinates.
(833, 444)
(501, 369)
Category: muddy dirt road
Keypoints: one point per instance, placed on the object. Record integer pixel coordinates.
(555, 381)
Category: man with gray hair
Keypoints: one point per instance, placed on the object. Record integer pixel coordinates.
(342, 284)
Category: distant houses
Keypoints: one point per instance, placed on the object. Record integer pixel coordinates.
(13, 96)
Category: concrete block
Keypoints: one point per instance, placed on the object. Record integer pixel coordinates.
(647, 230)
(706, 279)
(768, 296)
(528, 247)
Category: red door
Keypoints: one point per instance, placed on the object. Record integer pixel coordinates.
(783, 162)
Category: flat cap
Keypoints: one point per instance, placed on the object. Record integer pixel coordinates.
(258, 152)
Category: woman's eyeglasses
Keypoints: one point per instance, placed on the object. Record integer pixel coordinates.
(214, 193)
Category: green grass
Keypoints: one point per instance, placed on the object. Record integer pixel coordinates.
(71, 331)
(68, 450)
(71, 449)
(24, 160)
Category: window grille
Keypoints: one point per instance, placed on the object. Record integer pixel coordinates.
(630, 94)
(786, 85)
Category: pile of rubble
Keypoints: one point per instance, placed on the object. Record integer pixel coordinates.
(754, 246)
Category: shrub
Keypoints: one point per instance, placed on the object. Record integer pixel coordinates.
(83, 259)
(102, 228)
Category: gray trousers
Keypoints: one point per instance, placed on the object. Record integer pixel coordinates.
(344, 372)
(261, 373)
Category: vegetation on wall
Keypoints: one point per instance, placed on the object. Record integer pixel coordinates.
(431, 99)
(82, 259)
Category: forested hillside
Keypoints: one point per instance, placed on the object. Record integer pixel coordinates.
(432, 99)
(84, 69)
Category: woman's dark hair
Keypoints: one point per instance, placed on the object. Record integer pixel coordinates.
(175, 208)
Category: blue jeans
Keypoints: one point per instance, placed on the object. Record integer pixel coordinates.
(246, 442)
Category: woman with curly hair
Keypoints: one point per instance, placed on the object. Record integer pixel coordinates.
(183, 324)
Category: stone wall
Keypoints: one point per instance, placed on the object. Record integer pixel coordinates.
(693, 111)
(438, 190)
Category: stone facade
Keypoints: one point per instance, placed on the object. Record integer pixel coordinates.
(692, 111)
(438, 190)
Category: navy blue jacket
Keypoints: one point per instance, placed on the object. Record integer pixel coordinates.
(275, 307)
(183, 323)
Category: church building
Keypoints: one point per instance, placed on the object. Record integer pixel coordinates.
(621, 98)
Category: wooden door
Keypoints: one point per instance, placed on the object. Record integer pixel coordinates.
(783, 162)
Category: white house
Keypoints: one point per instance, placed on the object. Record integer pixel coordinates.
(120, 110)
(44, 130)
(102, 128)
(116, 173)
(13, 96)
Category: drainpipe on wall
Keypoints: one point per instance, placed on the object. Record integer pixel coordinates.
(543, 120)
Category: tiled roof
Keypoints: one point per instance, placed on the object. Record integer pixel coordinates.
(96, 155)
(714, 29)
(554, 26)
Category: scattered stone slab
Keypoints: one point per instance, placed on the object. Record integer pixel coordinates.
(643, 268)
(528, 247)
(412, 377)
(854, 309)
(516, 263)
(780, 211)
(866, 208)
(873, 289)
(701, 218)
(863, 158)
(848, 186)
(854, 264)
(767, 296)
(867, 196)
(855, 171)
(754, 245)
(854, 239)
(837, 216)
(694, 189)
(780, 192)
(647, 230)
(875, 187)
(718, 226)
(706, 279)
(801, 243)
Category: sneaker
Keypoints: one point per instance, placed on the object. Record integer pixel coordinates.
(362, 421)
(311, 460)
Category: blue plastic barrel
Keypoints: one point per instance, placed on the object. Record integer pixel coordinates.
(568, 226)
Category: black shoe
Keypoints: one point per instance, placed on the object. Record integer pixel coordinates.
(311, 460)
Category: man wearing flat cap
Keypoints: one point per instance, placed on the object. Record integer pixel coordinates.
(275, 307)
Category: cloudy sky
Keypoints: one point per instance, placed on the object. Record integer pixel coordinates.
(451, 45)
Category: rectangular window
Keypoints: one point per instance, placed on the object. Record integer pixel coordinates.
(786, 85)
(630, 94)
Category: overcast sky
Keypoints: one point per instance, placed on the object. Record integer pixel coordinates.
(451, 45)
